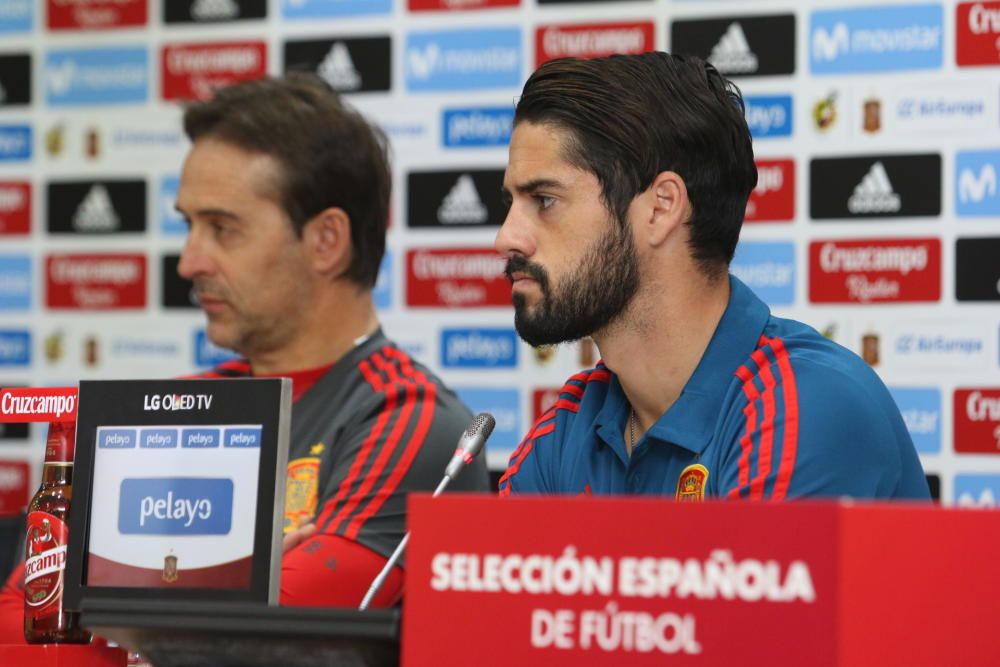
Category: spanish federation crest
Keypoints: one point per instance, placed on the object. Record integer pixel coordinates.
(691, 483)
(170, 574)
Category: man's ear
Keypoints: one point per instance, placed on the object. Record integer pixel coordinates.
(668, 207)
(327, 239)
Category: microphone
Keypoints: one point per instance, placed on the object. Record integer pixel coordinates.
(469, 445)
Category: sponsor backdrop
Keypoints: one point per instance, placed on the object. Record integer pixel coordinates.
(876, 217)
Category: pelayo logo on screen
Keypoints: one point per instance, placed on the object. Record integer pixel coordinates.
(479, 348)
(456, 278)
(875, 270)
(175, 506)
(96, 76)
(876, 39)
(96, 282)
(463, 59)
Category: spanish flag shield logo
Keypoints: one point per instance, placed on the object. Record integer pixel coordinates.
(691, 484)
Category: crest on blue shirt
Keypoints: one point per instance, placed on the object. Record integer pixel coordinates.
(691, 484)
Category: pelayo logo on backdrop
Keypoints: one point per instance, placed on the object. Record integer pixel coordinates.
(769, 116)
(768, 268)
(348, 64)
(15, 143)
(15, 347)
(477, 127)
(976, 191)
(876, 39)
(475, 58)
(478, 348)
(96, 76)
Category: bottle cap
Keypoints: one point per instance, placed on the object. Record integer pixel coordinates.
(61, 442)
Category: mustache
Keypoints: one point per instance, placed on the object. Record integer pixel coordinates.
(201, 289)
(518, 264)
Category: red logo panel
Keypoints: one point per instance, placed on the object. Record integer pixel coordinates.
(592, 40)
(977, 39)
(15, 207)
(875, 271)
(14, 496)
(193, 71)
(456, 278)
(38, 404)
(95, 282)
(773, 200)
(542, 400)
(96, 14)
(458, 5)
(977, 420)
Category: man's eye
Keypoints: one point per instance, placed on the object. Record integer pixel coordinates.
(544, 202)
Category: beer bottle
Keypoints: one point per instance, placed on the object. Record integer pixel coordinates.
(45, 621)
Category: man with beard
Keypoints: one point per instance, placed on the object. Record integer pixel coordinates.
(286, 193)
(628, 179)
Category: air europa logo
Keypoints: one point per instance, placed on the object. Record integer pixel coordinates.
(769, 116)
(174, 402)
(592, 40)
(875, 270)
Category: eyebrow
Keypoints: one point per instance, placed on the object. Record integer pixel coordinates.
(209, 213)
(533, 186)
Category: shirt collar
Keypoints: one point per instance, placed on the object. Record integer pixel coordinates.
(690, 421)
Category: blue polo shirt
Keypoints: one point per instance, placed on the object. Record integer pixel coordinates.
(773, 410)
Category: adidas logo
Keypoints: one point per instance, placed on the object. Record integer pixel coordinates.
(732, 54)
(874, 193)
(974, 188)
(338, 70)
(462, 206)
(96, 213)
(207, 10)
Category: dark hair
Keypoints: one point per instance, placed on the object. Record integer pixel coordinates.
(631, 117)
(329, 154)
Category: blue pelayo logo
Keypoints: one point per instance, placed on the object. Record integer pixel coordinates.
(769, 115)
(15, 348)
(479, 348)
(175, 506)
(15, 143)
(477, 127)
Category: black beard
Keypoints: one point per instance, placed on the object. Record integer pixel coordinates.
(591, 297)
